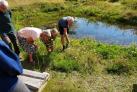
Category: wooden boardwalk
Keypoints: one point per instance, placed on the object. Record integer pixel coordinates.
(34, 80)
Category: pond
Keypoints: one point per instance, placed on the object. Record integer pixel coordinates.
(103, 32)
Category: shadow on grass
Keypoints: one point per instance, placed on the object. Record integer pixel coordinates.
(134, 88)
(41, 62)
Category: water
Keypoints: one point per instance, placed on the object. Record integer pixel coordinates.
(103, 32)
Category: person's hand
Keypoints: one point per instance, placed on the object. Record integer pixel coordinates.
(49, 50)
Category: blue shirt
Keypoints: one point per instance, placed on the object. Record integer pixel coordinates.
(10, 67)
(63, 23)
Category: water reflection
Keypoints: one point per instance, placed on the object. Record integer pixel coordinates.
(104, 32)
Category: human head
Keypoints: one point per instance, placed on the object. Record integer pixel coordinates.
(45, 35)
(70, 20)
(54, 32)
(3, 5)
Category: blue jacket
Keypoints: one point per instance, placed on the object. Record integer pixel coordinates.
(10, 67)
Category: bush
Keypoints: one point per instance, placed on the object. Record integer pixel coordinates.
(65, 65)
(118, 68)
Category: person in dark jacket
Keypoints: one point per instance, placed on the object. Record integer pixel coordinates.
(64, 24)
(10, 67)
(6, 27)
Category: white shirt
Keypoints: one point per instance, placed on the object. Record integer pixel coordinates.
(48, 32)
(30, 32)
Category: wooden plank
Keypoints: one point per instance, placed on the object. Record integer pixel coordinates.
(35, 74)
(33, 84)
(34, 80)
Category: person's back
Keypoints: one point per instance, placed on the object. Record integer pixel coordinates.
(63, 23)
(27, 32)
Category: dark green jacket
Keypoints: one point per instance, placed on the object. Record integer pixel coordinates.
(6, 25)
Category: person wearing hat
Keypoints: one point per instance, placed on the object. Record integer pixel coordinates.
(26, 37)
(6, 27)
(47, 37)
(10, 68)
(64, 24)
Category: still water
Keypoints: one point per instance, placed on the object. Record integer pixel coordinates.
(103, 32)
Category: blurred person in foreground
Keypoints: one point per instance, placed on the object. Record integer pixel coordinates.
(10, 68)
(6, 27)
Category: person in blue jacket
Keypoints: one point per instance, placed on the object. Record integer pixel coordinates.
(10, 67)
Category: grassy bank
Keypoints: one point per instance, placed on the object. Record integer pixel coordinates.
(88, 65)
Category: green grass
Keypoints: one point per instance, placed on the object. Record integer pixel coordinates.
(87, 65)
(73, 69)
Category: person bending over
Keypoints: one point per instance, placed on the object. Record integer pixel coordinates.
(47, 37)
(64, 24)
(26, 37)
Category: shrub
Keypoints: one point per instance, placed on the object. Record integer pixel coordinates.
(65, 65)
(118, 68)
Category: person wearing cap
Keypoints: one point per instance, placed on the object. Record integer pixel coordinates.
(10, 68)
(47, 37)
(64, 24)
(6, 27)
(26, 37)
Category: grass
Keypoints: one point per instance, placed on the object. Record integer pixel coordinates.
(88, 65)
(85, 62)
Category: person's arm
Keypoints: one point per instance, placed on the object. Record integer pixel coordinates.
(9, 61)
